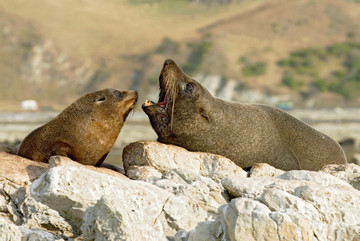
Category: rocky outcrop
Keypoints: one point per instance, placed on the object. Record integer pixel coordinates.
(56, 161)
(173, 194)
(9, 231)
(161, 158)
(18, 170)
(11, 149)
(298, 205)
(350, 173)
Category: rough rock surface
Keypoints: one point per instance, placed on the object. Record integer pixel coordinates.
(264, 170)
(72, 190)
(9, 231)
(143, 155)
(138, 219)
(56, 161)
(20, 170)
(21, 213)
(349, 173)
(178, 195)
(294, 206)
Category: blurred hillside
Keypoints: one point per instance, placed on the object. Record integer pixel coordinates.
(304, 51)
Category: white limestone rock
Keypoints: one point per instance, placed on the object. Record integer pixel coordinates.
(168, 157)
(248, 218)
(71, 190)
(297, 205)
(18, 207)
(11, 232)
(143, 173)
(125, 218)
(347, 172)
(193, 177)
(177, 195)
(264, 170)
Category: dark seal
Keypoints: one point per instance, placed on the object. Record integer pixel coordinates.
(85, 131)
(187, 115)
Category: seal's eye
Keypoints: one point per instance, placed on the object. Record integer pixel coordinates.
(118, 94)
(188, 88)
(100, 99)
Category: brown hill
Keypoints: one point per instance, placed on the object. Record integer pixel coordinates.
(274, 28)
(65, 48)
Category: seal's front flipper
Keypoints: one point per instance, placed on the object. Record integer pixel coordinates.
(101, 160)
(61, 149)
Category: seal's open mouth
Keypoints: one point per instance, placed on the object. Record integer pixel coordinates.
(161, 113)
(161, 103)
(163, 98)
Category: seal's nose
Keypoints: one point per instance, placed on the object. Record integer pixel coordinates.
(133, 94)
(136, 94)
(167, 62)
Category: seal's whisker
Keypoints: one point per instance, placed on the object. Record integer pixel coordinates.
(173, 105)
(171, 91)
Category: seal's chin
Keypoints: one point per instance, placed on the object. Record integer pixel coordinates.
(159, 117)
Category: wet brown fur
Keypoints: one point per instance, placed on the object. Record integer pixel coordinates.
(245, 133)
(85, 131)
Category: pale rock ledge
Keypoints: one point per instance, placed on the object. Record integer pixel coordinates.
(174, 194)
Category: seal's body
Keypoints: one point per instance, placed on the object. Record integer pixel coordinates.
(188, 115)
(85, 131)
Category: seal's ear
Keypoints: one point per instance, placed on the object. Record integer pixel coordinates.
(204, 114)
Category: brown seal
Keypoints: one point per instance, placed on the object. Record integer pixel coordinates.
(188, 115)
(85, 131)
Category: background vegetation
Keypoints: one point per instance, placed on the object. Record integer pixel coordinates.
(334, 68)
(54, 51)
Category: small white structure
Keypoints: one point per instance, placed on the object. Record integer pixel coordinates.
(29, 105)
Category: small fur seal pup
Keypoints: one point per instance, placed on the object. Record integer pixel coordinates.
(85, 131)
(187, 115)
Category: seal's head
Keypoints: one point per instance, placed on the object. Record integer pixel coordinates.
(107, 104)
(183, 105)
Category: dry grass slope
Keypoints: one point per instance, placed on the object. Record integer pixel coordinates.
(119, 38)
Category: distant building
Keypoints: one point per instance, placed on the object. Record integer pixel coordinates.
(29, 105)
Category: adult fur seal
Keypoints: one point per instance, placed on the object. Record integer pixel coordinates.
(188, 115)
(85, 131)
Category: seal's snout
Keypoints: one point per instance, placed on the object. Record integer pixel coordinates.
(170, 67)
(135, 94)
(168, 62)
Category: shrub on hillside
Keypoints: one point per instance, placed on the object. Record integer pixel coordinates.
(254, 69)
(290, 81)
(197, 55)
(168, 46)
(336, 68)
